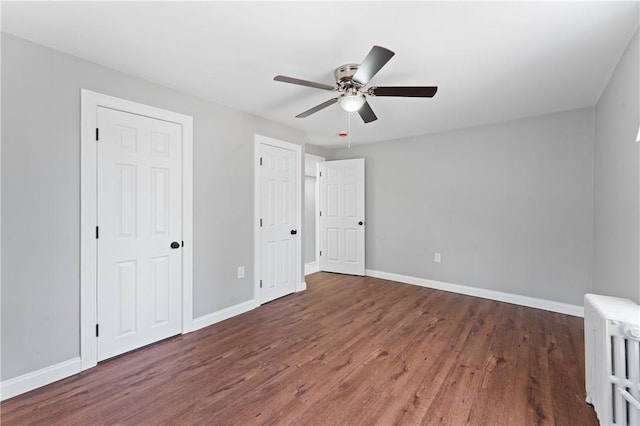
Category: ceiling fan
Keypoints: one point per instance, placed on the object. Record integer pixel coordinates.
(351, 80)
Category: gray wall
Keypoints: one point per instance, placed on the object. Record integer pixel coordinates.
(617, 181)
(509, 206)
(316, 150)
(41, 197)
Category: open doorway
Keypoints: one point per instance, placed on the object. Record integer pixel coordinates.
(311, 248)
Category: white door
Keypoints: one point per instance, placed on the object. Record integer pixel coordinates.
(139, 217)
(342, 216)
(278, 219)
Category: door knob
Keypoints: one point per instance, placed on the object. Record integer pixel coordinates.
(175, 245)
(361, 223)
(294, 231)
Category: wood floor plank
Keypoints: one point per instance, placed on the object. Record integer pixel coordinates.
(531, 379)
(349, 350)
(493, 404)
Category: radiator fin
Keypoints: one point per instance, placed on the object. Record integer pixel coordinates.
(612, 358)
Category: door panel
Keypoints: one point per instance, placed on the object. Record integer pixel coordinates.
(332, 252)
(351, 245)
(127, 200)
(159, 201)
(351, 201)
(126, 292)
(333, 192)
(162, 287)
(342, 216)
(139, 215)
(278, 180)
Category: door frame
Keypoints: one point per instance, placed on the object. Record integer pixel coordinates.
(89, 102)
(300, 283)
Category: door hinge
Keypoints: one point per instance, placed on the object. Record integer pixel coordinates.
(260, 283)
(320, 174)
(261, 161)
(97, 134)
(97, 232)
(320, 213)
(320, 252)
(97, 331)
(260, 222)
(182, 243)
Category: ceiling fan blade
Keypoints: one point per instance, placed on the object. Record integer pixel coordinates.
(375, 60)
(285, 79)
(317, 108)
(366, 113)
(405, 91)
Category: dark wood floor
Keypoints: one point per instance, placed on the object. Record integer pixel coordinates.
(349, 350)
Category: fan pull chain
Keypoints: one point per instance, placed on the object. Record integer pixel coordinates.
(349, 130)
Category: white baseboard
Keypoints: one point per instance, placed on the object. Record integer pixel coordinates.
(221, 315)
(27, 382)
(311, 268)
(35, 379)
(532, 302)
(301, 287)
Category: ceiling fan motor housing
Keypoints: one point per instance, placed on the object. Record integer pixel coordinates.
(344, 76)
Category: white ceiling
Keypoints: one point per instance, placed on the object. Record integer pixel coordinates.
(492, 61)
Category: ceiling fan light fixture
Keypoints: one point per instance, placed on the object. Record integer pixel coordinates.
(351, 102)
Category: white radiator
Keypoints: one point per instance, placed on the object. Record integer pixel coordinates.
(612, 358)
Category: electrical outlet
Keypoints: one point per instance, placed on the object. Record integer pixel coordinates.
(437, 257)
(240, 271)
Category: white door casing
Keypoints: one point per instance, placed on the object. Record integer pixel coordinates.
(139, 218)
(342, 216)
(278, 213)
(90, 102)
